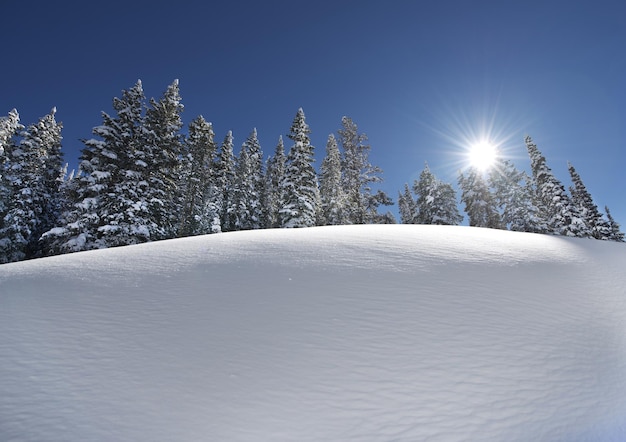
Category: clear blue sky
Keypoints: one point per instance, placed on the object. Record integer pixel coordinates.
(420, 78)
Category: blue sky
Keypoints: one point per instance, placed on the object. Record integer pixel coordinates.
(420, 78)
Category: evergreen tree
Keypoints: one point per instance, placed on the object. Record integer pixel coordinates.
(248, 189)
(9, 130)
(436, 200)
(595, 224)
(199, 210)
(275, 176)
(301, 194)
(332, 197)
(513, 197)
(35, 175)
(479, 203)
(53, 171)
(407, 206)
(23, 209)
(111, 206)
(226, 183)
(616, 234)
(69, 191)
(358, 175)
(374, 201)
(164, 148)
(553, 202)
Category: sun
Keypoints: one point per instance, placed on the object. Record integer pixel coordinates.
(483, 155)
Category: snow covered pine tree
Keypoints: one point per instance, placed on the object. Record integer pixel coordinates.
(301, 195)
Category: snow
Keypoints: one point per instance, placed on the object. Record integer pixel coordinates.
(368, 333)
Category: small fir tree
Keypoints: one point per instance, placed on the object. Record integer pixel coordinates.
(479, 203)
(616, 234)
(436, 200)
(513, 197)
(407, 206)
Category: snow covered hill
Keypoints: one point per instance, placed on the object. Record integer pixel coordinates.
(359, 333)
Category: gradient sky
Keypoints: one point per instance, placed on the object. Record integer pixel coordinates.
(423, 79)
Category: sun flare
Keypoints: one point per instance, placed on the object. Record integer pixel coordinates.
(482, 155)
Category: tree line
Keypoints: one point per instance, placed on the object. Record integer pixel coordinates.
(141, 179)
(506, 198)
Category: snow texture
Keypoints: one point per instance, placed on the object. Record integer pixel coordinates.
(360, 333)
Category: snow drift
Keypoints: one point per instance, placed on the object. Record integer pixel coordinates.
(333, 333)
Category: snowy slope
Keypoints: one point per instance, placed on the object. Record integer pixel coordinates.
(326, 334)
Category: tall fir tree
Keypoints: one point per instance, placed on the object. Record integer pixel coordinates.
(35, 175)
(595, 224)
(358, 175)
(164, 148)
(301, 194)
(23, 210)
(249, 182)
(199, 189)
(554, 204)
(226, 182)
(332, 196)
(436, 200)
(274, 177)
(111, 206)
(9, 129)
(53, 171)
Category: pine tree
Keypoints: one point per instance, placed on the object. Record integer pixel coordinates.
(407, 206)
(199, 209)
(513, 197)
(595, 224)
(616, 234)
(53, 172)
(332, 197)
(23, 211)
(68, 190)
(301, 194)
(436, 200)
(479, 203)
(554, 204)
(248, 190)
(373, 202)
(226, 182)
(111, 206)
(358, 175)
(275, 176)
(164, 147)
(9, 129)
(35, 175)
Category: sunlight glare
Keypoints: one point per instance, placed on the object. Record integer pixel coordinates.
(482, 155)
